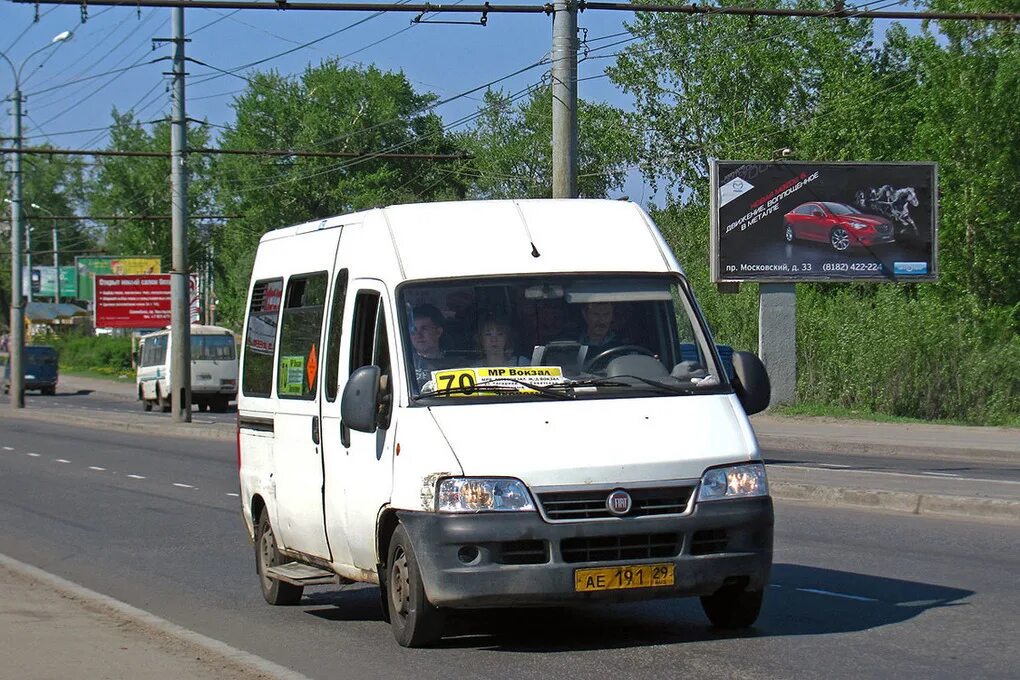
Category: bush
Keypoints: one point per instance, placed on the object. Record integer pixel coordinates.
(101, 353)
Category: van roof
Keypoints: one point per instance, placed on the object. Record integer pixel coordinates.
(196, 329)
(472, 238)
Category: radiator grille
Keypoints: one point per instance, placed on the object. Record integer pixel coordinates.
(591, 504)
(612, 548)
(709, 541)
(523, 552)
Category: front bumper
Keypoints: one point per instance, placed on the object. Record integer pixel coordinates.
(719, 543)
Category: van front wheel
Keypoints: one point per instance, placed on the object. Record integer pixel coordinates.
(732, 607)
(416, 622)
(268, 555)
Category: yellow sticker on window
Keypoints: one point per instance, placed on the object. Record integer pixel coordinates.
(292, 375)
(467, 382)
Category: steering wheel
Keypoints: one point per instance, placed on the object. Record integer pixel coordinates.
(613, 352)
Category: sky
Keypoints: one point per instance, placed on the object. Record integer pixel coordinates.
(70, 109)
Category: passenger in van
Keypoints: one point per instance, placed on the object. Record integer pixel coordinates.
(426, 330)
(495, 339)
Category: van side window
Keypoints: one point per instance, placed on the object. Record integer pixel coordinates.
(260, 338)
(157, 357)
(370, 344)
(300, 334)
(336, 326)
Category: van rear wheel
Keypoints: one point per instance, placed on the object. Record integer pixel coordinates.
(267, 554)
(416, 622)
(732, 607)
(164, 402)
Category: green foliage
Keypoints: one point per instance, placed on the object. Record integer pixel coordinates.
(99, 353)
(512, 148)
(728, 87)
(327, 108)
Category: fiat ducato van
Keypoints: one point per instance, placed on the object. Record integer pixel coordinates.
(492, 404)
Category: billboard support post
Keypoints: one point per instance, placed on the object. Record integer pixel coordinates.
(777, 339)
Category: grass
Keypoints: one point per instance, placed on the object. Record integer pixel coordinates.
(826, 411)
(118, 376)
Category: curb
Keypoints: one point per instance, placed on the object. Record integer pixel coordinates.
(899, 501)
(778, 442)
(219, 432)
(151, 622)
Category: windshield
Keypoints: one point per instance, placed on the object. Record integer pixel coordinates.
(549, 336)
(842, 209)
(212, 347)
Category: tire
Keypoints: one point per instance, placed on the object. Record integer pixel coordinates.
(146, 405)
(732, 607)
(415, 621)
(788, 233)
(49, 391)
(839, 239)
(164, 402)
(267, 554)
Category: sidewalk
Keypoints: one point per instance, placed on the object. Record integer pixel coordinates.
(53, 629)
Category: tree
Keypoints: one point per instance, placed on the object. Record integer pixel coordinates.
(326, 108)
(133, 186)
(512, 148)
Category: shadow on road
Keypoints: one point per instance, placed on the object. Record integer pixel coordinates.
(801, 600)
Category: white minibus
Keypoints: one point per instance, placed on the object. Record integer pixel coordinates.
(496, 403)
(213, 368)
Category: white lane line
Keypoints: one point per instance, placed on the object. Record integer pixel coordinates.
(97, 469)
(834, 465)
(858, 598)
(8, 448)
(183, 486)
(135, 476)
(34, 455)
(940, 474)
(235, 495)
(61, 460)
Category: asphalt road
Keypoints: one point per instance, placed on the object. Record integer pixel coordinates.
(155, 522)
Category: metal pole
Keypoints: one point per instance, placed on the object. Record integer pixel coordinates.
(564, 100)
(180, 307)
(17, 342)
(28, 258)
(56, 265)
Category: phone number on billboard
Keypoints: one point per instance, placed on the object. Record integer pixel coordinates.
(852, 267)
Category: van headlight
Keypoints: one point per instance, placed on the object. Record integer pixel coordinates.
(471, 494)
(735, 481)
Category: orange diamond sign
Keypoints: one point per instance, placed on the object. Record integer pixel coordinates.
(310, 368)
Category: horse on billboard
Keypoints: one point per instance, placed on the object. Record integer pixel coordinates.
(891, 202)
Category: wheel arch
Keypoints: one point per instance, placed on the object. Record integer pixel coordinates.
(385, 526)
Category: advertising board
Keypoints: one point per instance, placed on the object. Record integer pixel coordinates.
(137, 301)
(43, 281)
(799, 221)
(87, 267)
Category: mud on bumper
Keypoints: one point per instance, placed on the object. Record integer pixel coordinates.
(494, 559)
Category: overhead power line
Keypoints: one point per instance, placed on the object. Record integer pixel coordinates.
(548, 9)
(243, 152)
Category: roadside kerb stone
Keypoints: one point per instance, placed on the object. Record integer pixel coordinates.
(899, 501)
(139, 424)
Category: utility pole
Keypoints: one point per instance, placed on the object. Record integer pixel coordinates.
(56, 266)
(17, 341)
(28, 258)
(564, 99)
(180, 294)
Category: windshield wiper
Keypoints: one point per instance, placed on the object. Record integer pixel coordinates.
(616, 382)
(470, 390)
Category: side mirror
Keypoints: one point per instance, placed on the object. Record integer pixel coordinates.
(360, 402)
(752, 382)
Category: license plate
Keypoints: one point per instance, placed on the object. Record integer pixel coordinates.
(623, 578)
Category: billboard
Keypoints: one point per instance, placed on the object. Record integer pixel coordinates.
(43, 281)
(94, 265)
(799, 221)
(137, 301)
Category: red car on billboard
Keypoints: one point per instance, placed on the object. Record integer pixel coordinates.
(840, 225)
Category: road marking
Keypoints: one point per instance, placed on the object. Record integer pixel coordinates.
(97, 469)
(834, 465)
(8, 448)
(34, 455)
(940, 474)
(858, 598)
(135, 476)
(61, 460)
(183, 486)
(235, 495)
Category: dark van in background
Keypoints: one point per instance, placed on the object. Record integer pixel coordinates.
(41, 371)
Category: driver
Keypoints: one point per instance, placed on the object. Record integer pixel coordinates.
(426, 329)
(598, 334)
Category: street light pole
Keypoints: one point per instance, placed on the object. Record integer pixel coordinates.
(17, 343)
